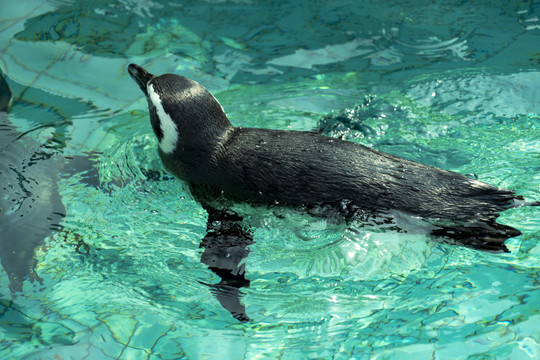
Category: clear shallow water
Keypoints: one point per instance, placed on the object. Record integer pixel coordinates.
(455, 86)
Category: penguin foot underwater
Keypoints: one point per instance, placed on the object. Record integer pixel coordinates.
(223, 164)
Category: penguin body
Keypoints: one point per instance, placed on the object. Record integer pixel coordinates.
(198, 144)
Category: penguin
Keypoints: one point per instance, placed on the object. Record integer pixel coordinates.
(31, 207)
(221, 162)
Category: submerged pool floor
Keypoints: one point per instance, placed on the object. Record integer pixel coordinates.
(108, 259)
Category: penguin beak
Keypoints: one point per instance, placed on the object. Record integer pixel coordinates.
(141, 76)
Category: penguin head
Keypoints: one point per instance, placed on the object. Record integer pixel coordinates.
(182, 112)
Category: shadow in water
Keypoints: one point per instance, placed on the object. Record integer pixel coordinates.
(225, 250)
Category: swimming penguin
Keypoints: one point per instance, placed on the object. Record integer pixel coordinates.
(224, 164)
(198, 144)
(31, 207)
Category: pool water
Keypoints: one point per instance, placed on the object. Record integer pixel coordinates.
(453, 85)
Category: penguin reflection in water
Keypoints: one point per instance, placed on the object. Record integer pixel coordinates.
(223, 164)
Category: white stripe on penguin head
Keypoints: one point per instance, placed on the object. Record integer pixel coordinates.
(167, 125)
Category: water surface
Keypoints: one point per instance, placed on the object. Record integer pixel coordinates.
(449, 85)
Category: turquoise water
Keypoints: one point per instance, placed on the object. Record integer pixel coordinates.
(454, 85)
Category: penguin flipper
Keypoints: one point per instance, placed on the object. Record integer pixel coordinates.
(225, 250)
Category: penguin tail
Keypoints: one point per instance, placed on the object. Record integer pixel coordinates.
(519, 202)
(486, 235)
